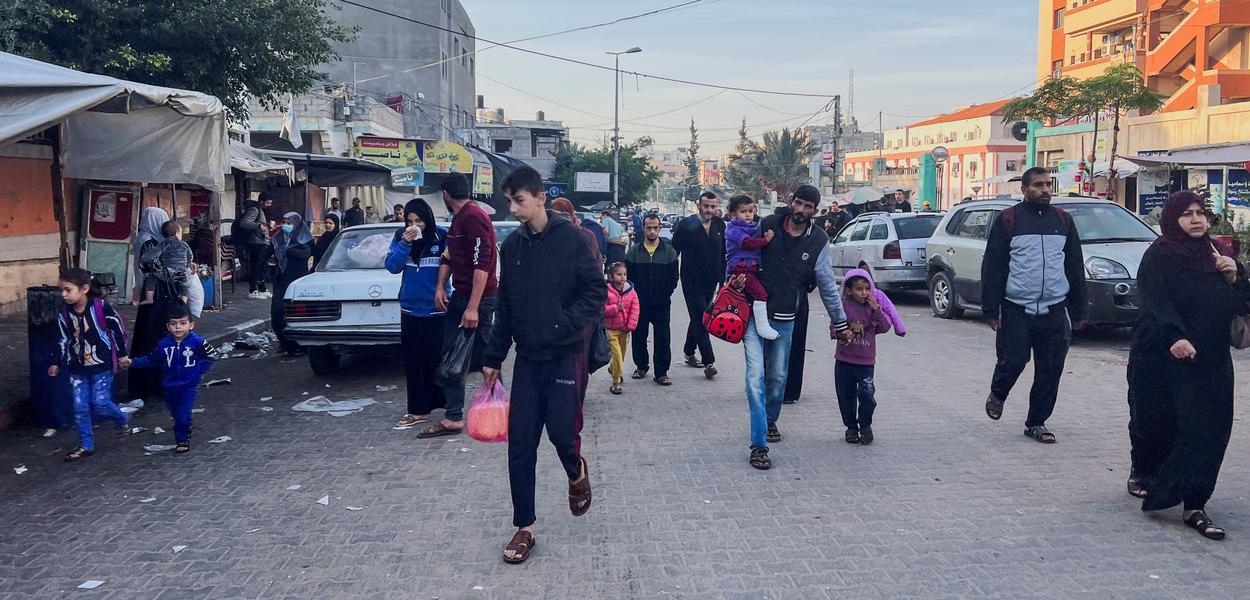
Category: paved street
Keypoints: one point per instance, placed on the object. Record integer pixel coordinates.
(945, 504)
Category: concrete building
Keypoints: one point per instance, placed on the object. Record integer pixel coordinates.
(324, 122)
(842, 141)
(535, 142)
(980, 144)
(426, 72)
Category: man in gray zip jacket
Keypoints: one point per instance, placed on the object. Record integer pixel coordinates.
(1032, 291)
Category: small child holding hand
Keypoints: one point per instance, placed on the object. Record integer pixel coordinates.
(183, 357)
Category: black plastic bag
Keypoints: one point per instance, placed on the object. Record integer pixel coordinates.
(457, 354)
(600, 351)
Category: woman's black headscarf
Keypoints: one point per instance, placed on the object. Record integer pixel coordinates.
(1191, 252)
(430, 236)
(323, 242)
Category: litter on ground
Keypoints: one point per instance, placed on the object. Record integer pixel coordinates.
(341, 408)
(214, 382)
(324, 500)
(147, 500)
(159, 447)
(132, 407)
(355, 508)
(134, 430)
(386, 388)
(266, 398)
(178, 549)
(157, 430)
(197, 410)
(19, 469)
(90, 585)
(220, 440)
(253, 530)
(294, 487)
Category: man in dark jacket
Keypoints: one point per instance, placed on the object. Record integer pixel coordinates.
(254, 231)
(354, 215)
(836, 220)
(1032, 291)
(700, 240)
(652, 267)
(550, 289)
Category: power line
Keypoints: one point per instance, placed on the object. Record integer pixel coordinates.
(585, 63)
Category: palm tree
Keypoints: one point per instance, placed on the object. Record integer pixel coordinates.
(780, 163)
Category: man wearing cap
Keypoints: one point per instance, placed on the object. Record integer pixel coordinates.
(354, 215)
(469, 261)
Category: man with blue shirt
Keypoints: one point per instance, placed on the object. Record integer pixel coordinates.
(617, 240)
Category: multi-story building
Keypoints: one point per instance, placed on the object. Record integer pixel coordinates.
(839, 142)
(980, 146)
(535, 143)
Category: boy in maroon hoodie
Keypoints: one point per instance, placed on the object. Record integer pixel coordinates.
(856, 358)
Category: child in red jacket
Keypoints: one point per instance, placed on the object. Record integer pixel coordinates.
(620, 317)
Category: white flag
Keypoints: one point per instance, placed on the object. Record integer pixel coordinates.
(290, 126)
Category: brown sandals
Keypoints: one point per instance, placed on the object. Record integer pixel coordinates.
(579, 492)
(521, 545)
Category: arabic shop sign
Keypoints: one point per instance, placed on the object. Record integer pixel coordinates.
(405, 157)
(447, 157)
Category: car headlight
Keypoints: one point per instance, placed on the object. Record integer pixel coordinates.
(1101, 268)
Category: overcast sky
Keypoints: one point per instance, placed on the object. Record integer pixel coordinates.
(912, 59)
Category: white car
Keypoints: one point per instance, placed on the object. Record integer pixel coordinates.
(890, 246)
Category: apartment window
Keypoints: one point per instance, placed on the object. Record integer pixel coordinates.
(472, 65)
(464, 57)
(1056, 69)
(1059, 19)
(455, 46)
(502, 146)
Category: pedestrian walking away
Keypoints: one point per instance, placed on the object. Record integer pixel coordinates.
(253, 229)
(182, 358)
(150, 318)
(290, 251)
(653, 267)
(550, 290)
(92, 348)
(618, 240)
(468, 262)
(799, 252)
(856, 358)
(620, 317)
(1180, 369)
(700, 242)
(416, 252)
(1033, 293)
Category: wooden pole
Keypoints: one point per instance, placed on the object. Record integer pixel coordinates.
(59, 209)
(214, 219)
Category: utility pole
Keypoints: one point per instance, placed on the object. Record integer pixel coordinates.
(837, 139)
(616, 124)
(880, 146)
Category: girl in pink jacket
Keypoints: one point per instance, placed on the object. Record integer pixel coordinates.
(620, 317)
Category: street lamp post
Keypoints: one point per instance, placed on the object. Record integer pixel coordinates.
(616, 124)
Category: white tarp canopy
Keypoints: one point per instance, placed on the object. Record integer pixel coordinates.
(1220, 155)
(115, 129)
(250, 160)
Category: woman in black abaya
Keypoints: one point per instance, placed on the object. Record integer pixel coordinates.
(150, 319)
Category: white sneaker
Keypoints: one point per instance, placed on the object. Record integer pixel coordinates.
(49, 432)
(266, 295)
(762, 326)
(254, 295)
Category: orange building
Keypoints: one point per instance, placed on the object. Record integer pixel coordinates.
(1179, 45)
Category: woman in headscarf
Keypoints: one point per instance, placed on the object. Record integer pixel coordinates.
(416, 252)
(291, 247)
(150, 319)
(323, 242)
(1180, 370)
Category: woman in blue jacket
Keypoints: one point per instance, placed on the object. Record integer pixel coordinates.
(415, 252)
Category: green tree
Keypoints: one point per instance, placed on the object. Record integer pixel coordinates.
(780, 162)
(637, 176)
(740, 175)
(1121, 89)
(232, 49)
(692, 166)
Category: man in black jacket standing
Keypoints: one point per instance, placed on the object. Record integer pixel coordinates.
(652, 267)
(254, 240)
(550, 290)
(700, 240)
(1032, 291)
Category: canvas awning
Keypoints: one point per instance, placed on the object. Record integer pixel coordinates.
(116, 129)
(1219, 155)
(252, 160)
(334, 171)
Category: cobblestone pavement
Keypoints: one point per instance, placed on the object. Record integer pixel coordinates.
(945, 504)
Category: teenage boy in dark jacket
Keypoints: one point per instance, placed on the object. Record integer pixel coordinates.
(652, 267)
(550, 290)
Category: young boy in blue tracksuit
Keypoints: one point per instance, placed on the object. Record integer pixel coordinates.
(183, 357)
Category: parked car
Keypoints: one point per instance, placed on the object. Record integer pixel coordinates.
(1113, 241)
(891, 246)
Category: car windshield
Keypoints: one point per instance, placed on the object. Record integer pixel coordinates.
(503, 231)
(1100, 223)
(917, 227)
(358, 250)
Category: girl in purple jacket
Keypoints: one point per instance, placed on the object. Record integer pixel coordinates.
(853, 371)
(743, 244)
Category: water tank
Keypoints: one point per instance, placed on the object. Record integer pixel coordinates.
(481, 101)
(499, 114)
(542, 116)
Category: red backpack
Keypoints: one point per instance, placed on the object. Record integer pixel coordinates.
(726, 318)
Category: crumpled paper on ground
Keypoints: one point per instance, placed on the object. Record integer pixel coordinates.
(341, 408)
(131, 407)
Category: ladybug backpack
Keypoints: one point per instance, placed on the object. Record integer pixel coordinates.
(726, 318)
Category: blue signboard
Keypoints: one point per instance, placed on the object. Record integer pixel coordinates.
(1238, 188)
(1153, 188)
(555, 190)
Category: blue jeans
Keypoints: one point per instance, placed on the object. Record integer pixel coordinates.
(767, 363)
(94, 394)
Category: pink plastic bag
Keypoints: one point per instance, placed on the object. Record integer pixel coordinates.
(488, 418)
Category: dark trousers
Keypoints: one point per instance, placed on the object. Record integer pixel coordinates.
(1047, 338)
(454, 395)
(656, 317)
(277, 318)
(697, 300)
(180, 401)
(857, 394)
(421, 340)
(798, 352)
(255, 267)
(544, 393)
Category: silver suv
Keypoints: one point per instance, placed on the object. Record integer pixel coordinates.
(890, 246)
(1113, 241)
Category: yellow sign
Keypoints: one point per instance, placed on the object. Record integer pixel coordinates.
(483, 180)
(447, 157)
(392, 152)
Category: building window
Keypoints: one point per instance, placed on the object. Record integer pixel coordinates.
(502, 146)
(455, 46)
(1058, 19)
(472, 65)
(444, 65)
(464, 57)
(1056, 69)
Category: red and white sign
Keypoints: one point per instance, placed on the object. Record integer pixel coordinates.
(826, 154)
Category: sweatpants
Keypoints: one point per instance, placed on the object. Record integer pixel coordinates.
(798, 352)
(180, 401)
(421, 343)
(255, 266)
(93, 397)
(453, 395)
(857, 394)
(1047, 338)
(544, 394)
(697, 301)
(617, 341)
(656, 317)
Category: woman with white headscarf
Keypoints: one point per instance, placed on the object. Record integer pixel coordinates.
(291, 248)
(150, 319)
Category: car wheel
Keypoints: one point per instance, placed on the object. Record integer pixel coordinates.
(942, 297)
(323, 360)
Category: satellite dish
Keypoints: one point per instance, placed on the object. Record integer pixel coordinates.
(1020, 131)
(940, 154)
